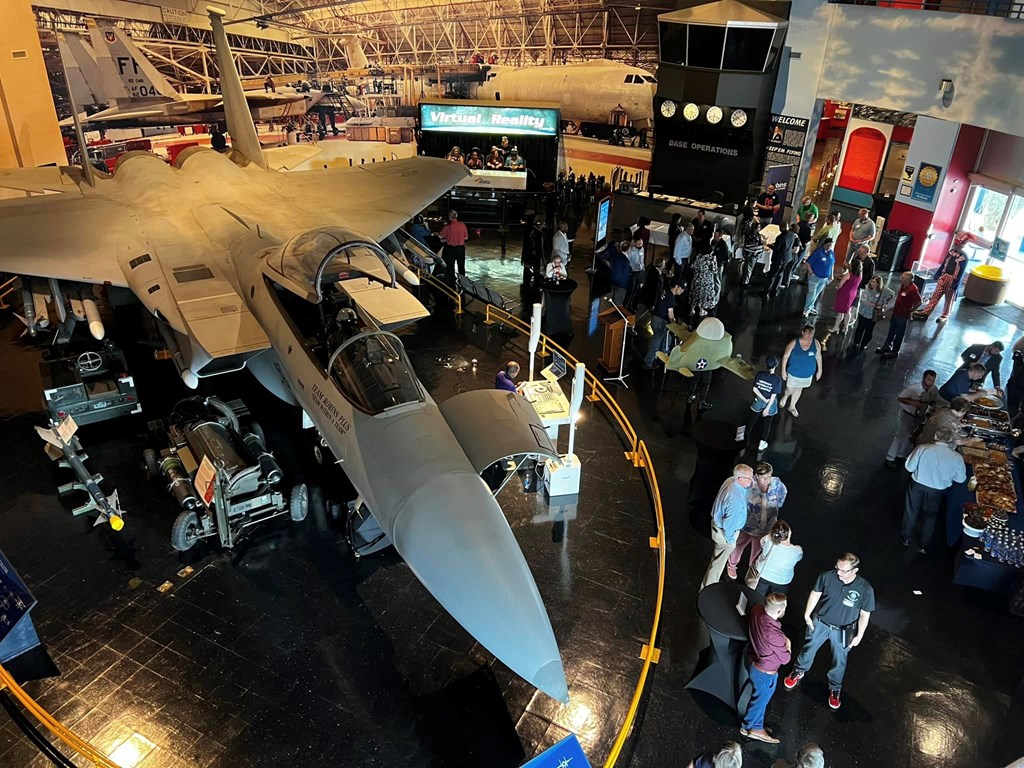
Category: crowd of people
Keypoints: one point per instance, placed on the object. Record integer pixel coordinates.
(501, 157)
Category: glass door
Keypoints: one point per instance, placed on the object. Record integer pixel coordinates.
(997, 215)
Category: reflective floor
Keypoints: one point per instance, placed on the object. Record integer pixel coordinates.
(935, 682)
(288, 650)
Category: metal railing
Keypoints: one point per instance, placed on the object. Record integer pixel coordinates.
(65, 735)
(637, 455)
(640, 458)
(1000, 8)
(442, 286)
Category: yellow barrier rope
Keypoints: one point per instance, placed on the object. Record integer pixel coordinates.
(68, 737)
(641, 459)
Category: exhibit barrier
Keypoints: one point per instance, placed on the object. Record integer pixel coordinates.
(428, 279)
(68, 737)
(639, 456)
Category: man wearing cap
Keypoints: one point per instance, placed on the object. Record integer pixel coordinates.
(767, 389)
(987, 355)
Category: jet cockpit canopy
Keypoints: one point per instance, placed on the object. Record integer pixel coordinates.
(373, 372)
(329, 255)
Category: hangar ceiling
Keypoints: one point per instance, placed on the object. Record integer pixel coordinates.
(306, 36)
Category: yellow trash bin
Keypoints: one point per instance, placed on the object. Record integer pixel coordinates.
(986, 284)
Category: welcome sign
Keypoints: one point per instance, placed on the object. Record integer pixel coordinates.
(476, 118)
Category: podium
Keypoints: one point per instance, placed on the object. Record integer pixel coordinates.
(614, 335)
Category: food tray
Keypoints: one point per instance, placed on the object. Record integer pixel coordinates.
(988, 402)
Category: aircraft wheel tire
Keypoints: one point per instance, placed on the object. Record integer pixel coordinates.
(149, 458)
(298, 502)
(185, 531)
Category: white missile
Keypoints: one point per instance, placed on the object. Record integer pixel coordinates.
(92, 315)
(30, 310)
(39, 306)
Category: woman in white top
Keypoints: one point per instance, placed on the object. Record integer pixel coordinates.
(779, 557)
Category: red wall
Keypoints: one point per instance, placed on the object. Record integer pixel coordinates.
(951, 200)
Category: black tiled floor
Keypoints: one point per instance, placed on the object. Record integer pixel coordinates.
(289, 652)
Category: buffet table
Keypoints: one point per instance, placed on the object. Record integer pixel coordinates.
(973, 566)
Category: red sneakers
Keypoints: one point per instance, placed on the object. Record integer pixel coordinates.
(792, 679)
(833, 699)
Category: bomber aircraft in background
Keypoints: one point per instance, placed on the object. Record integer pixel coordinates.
(282, 273)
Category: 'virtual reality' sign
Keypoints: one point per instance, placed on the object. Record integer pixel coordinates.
(474, 118)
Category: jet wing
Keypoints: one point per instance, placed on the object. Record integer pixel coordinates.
(377, 198)
(68, 237)
(680, 331)
(50, 178)
(286, 158)
(739, 366)
(256, 99)
(115, 114)
(492, 424)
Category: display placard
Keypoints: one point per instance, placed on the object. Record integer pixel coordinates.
(604, 209)
(487, 118)
(565, 754)
(926, 183)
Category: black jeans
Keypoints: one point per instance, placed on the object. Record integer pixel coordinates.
(865, 330)
(921, 502)
(762, 425)
(780, 275)
(455, 254)
(897, 330)
(701, 381)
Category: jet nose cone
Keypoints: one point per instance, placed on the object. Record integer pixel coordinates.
(551, 680)
(455, 538)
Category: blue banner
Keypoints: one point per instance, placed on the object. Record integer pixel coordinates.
(565, 754)
(17, 634)
(477, 118)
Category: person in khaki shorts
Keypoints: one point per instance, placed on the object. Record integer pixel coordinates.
(728, 516)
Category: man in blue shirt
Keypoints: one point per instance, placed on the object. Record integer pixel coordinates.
(821, 263)
(934, 468)
(964, 383)
(506, 378)
(728, 516)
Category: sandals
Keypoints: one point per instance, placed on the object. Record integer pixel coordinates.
(764, 736)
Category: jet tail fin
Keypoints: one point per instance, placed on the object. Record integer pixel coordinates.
(244, 138)
(127, 72)
(79, 67)
(354, 55)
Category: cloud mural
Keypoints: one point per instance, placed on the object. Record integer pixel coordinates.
(895, 58)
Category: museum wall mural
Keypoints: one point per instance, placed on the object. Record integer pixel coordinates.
(874, 56)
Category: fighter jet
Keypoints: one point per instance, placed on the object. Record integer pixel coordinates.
(114, 72)
(587, 92)
(282, 273)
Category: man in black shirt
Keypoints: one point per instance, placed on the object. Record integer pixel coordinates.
(767, 205)
(838, 610)
(663, 311)
(702, 231)
(784, 254)
(719, 248)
